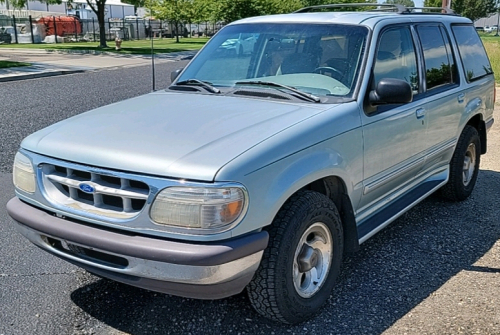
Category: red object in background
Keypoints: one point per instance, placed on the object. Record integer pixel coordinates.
(65, 25)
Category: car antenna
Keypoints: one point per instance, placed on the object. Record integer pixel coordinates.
(152, 54)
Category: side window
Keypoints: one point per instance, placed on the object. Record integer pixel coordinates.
(471, 49)
(440, 67)
(395, 57)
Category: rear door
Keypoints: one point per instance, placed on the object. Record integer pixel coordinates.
(445, 98)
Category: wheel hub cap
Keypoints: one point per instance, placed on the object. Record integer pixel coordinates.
(469, 164)
(308, 258)
(312, 260)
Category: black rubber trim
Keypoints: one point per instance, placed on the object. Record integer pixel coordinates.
(372, 222)
(150, 248)
(489, 124)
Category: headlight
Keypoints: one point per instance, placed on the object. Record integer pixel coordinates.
(197, 207)
(23, 174)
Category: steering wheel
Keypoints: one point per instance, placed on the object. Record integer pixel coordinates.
(323, 69)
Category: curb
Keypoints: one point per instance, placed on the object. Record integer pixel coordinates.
(39, 75)
(181, 55)
(89, 52)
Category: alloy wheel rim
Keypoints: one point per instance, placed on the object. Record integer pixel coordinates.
(312, 260)
(469, 164)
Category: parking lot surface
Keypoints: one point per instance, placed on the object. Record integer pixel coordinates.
(435, 270)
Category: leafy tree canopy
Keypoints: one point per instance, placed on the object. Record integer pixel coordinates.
(406, 3)
(21, 3)
(433, 3)
(474, 9)
(227, 10)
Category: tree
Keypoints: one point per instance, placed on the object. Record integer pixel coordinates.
(406, 3)
(474, 9)
(99, 9)
(231, 10)
(308, 3)
(279, 6)
(237, 9)
(173, 11)
(433, 3)
(21, 3)
(201, 10)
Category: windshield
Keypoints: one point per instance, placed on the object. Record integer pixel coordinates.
(319, 59)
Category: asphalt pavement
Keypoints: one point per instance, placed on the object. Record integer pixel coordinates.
(435, 270)
(47, 63)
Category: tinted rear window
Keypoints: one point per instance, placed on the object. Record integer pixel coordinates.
(475, 60)
(439, 64)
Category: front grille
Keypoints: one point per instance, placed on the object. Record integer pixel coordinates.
(87, 254)
(97, 193)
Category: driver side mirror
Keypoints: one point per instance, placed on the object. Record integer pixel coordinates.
(391, 91)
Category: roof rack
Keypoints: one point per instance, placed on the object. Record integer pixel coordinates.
(433, 10)
(390, 7)
(397, 8)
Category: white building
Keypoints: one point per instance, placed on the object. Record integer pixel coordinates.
(487, 21)
(113, 9)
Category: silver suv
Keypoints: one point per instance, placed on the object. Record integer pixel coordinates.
(288, 141)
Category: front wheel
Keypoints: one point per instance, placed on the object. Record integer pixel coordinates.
(464, 166)
(302, 261)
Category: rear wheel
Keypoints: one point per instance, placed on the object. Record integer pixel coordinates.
(464, 166)
(302, 261)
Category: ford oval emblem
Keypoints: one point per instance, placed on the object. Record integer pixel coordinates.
(86, 188)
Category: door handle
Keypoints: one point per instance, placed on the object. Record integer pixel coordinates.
(461, 98)
(420, 113)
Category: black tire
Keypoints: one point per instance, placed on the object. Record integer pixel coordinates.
(273, 291)
(462, 180)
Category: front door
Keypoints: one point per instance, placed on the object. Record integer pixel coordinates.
(394, 135)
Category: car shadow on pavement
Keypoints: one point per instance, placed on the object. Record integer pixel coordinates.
(392, 273)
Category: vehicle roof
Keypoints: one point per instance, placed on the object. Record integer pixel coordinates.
(368, 18)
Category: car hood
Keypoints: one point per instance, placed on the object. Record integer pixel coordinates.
(177, 135)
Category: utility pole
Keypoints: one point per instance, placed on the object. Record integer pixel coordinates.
(446, 4)
(498, 17)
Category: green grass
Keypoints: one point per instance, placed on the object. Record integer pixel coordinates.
(7, 63)
(492, 46)
(164, 45)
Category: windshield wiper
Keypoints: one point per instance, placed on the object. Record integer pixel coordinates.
(196, 82)
(303, 95)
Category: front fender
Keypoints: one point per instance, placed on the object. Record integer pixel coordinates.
(271, 186)
(299, 173)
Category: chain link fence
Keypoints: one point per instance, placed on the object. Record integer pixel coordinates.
(61, 29)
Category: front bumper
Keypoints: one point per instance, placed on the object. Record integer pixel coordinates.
(195, 270)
